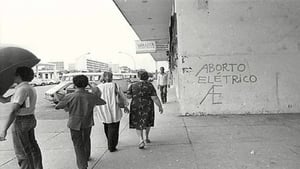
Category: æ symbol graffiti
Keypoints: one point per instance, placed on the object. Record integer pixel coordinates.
(213, 95)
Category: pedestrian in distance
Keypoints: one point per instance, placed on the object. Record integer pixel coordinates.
(23, 121)
(141, 117)
(111, 113)
(162, 84)
(80, 105)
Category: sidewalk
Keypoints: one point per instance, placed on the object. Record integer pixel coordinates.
(202, 142)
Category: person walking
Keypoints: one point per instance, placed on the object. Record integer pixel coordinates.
(111, 113)
(141, 117)
(22, 117)
(80, 105)
(162, 84)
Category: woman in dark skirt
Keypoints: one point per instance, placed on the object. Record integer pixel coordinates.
(143, 95)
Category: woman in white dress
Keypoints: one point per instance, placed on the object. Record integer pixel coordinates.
(110, 114)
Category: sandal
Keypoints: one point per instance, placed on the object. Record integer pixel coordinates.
(141, 144)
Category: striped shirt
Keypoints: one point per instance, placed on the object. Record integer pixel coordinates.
(110, 112)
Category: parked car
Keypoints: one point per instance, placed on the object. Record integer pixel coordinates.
(37, 82)
(56, 93)
(52, 81)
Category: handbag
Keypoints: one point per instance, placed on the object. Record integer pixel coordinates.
(119, 100)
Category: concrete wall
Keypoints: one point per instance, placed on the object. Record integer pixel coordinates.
(238, 56)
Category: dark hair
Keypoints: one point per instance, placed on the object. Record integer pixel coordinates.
(107, 77)
(25, 73)
(81, 81)
(143, 75)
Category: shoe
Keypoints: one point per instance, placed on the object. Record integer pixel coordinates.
(148, 141)
(141, 144)
(113, 149)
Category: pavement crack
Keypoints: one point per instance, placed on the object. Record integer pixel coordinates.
(191, 143)
(7, 162)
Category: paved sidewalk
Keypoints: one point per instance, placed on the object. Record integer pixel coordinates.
(202, 142)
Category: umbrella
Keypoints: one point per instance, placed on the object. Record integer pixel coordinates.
(10, 59)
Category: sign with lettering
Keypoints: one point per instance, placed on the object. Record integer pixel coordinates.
(145, 46)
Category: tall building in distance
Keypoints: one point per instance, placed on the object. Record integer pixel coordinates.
(115, 68)
(71, 67)
(60, 66)
(88, 64)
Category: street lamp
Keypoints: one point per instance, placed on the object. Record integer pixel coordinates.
(121, 52)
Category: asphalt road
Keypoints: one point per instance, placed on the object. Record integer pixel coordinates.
(44, 109)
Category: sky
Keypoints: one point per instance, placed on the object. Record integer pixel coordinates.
(63, 30)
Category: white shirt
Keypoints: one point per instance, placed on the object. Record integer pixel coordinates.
(25, 95)
(162, 79)
(110, 112)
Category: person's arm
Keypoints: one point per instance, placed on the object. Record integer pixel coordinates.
(96, 91)
(8, 122)
(129, 92)
(167, 78)
(5, 99)
(120, 92)
(63, 104)
(126, 110)
(158, 103)
(158, 81)
(99, 101)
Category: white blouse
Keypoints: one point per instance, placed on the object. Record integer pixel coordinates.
(110, 112)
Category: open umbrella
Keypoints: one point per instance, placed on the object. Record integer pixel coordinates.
(10, 59)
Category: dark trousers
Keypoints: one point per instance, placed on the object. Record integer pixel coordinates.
(112, 134)
(163, 93)
(82, 145)
(26, 148)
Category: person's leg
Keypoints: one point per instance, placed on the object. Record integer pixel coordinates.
(147, 131)
(106, 130)
(165, 93)
(77, 138)
(141, 137)
(35, 151)
(161, 89)
(21, 140)
(115, 135)
(87, 142)
(22, 150)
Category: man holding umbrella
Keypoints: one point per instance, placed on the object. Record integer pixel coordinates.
(22, 117)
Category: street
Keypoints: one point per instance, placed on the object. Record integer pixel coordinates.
(44, 108)
(214, 142)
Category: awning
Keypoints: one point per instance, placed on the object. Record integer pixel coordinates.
(150, 19)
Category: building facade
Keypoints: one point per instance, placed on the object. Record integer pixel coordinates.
(88, 64)
(233, 56)
(46, 71)
(115, 68)
(60, 66)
